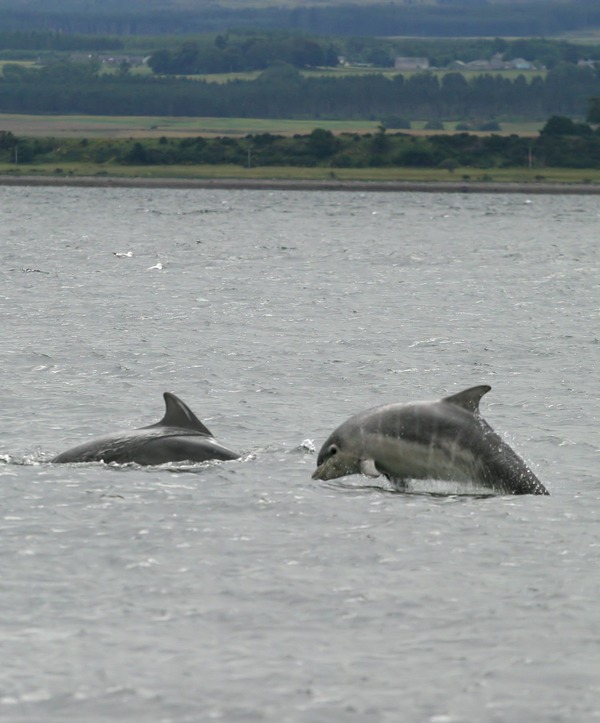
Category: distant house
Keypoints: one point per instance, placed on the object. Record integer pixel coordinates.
(411, 63)
(82, 57)
(520, 64)
(107, 59)
(118, 59)
(479, 65)
(496, 62)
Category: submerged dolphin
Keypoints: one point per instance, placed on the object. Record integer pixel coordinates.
(443, 440)
(179, 436)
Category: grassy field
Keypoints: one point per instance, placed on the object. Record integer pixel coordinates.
(439, 73)
(511, 175)
(349, 71)
(152, 127)
(110, 127)
(590, 36)
(82, 126)
(339, 72)
(24, 63)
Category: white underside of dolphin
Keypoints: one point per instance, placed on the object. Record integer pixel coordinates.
(179, 436)
(444, 440)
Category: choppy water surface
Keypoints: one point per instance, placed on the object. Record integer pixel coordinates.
(245, 591)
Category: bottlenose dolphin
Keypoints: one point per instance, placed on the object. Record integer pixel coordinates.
(443, 440)
(179, 436)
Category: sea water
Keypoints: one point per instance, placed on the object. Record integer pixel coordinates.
(246, 591)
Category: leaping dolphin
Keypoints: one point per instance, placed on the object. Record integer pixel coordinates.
(179, 436)
(442, 440)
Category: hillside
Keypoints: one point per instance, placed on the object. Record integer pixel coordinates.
(447, 18)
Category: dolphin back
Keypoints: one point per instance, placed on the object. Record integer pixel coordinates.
(179, 436)
(148, 446)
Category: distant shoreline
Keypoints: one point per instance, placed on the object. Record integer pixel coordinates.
(303, 185)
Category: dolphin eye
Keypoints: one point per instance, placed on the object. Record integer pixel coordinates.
(332, 450)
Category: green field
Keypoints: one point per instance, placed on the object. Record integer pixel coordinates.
(68, 126)
(24, 63)
(510, 175)
(60, 126)
(344, 72)
(339, 72)
(140, 127)
(590, 36)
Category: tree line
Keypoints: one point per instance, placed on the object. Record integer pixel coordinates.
(282, 92)
(450, 18)
(241, 50)
(254, 50)
(562, 143)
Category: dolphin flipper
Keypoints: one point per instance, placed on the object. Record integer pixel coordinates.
(369, 468)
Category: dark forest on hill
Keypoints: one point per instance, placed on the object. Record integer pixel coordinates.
(447, 18)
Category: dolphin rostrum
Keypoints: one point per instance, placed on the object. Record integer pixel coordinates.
(179, 436)
(442, 440)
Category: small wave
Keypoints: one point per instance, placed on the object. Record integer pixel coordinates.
(307, 446)
(28, 460)
(426, 488)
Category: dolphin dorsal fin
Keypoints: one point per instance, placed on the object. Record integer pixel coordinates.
(469, 398)
(178, 414)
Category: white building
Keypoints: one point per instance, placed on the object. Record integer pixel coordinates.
(411, 63)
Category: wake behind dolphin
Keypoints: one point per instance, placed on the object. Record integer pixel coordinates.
(443, 440)
(179, 436)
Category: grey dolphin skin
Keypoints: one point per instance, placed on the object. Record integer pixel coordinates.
(443, 440)
(179, 436)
